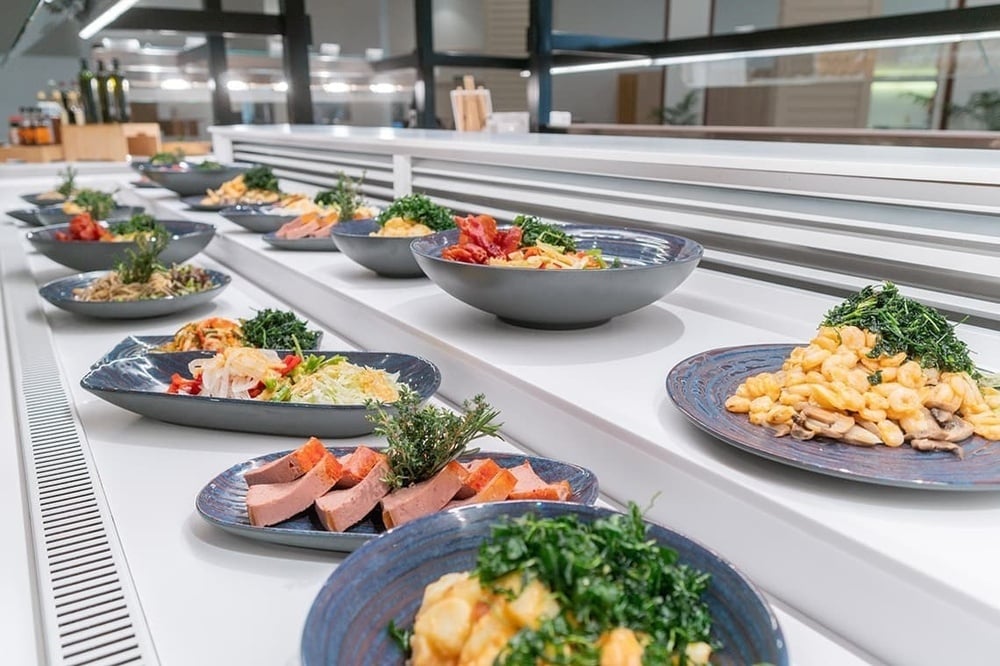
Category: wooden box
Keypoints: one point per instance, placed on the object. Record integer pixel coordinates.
(112, 142)
(51, 153)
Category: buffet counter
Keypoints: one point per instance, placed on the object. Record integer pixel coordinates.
(852, 569)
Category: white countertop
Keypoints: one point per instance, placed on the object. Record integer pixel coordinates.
(208, 596)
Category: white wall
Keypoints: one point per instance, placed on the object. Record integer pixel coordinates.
(22, 77)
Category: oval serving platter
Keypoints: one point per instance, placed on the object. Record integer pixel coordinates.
(384, 581)
(699, 386)
(222, 502)
(139, 384)
(60, 294)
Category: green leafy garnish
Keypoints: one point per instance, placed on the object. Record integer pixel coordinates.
(604, 574)
(421, 441)
(208, 165)
(68, 184)
(261, 178)
(167, 159)
(904, 325)
(139, 223)
(98, 204)
(401, 637)
(144, 260)
(345, 195)
(533, 231)
(278, 329)
(419, 208)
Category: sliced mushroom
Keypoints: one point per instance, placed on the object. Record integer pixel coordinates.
(780, 429)
(936, 445)
(861, 437)
(799, 430)
(921, 425)
(825, 422)
(942, 416)
(956, 429)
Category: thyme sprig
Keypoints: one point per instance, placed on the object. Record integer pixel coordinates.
(422, 440)
(144, 260)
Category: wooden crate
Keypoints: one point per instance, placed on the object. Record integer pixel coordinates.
(112, 142)
(52, 153)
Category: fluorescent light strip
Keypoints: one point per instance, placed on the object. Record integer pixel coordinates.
(781, 51)
(106, 17)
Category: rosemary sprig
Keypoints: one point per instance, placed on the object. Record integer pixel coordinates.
(421, 441)
(144, 260)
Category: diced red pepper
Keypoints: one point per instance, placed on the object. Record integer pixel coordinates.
(290, 361)
(183, 385)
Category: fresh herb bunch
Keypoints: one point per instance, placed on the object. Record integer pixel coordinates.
(138, 223)
(533, 230)
(144, 260)
(68, 184)
(278, 329)
(261, 178)
(346, 196)
(98, 204)
(421, 441)
(604, 574)
(208, 165)
(167, 159)
(904, 325)
(419, 208)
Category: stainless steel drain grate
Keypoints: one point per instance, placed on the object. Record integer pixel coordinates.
(90, 613)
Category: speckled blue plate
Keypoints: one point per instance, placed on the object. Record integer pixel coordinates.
(139, 384)
(700, 385)
(300, 244)
(223, 503)
(384, 581)
(653, 265)
(60, 294)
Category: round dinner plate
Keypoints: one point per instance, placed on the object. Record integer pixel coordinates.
(384, 581)
(222, 502)
(60, 294)
(700, 385)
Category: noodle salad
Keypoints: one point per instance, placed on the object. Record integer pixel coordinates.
(247, 373)
(528, 244)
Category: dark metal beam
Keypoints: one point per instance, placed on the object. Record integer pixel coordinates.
(446, 59)
(569, 41)
(405, 61)
(944, 22)
(213, 51)
(193, 56)
(424, 93)
(199, 21)
(297, 38)
(539, 62)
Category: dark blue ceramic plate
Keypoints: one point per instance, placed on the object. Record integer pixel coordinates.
(301, 244)
(700, 385)
(139, 384)
(60, 294)
(256, 218)
(186, 240)
(384, 581)
(26, 215)
(223, 503)
(387, 256)
(654, 264)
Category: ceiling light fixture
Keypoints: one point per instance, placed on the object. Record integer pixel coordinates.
(383, 88)
(236, 85)
(106, 17)
(280, 86)
(337, 87)
(175, 84)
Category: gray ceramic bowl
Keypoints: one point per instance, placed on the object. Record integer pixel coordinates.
(255, 218)
(26, 215)
(389, 257)
(384, 581)
(139, 384)
(189, 181)
(654, 265)
(50, 215)
(60, 294)
(186, 240)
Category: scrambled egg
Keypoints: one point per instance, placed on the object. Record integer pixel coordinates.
(399, 227)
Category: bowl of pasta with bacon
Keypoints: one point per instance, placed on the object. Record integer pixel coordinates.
(554, 276)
